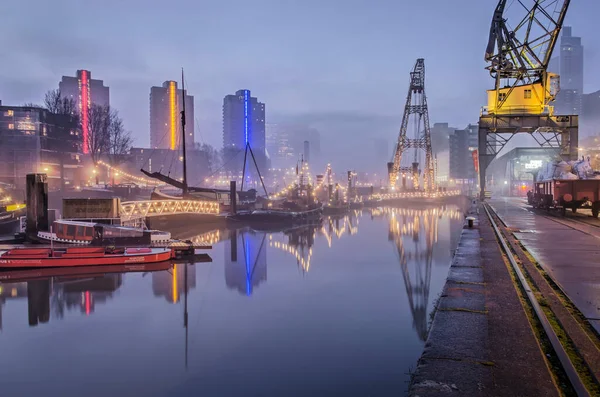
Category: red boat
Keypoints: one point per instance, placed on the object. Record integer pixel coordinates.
(81, 256)
(76, 272)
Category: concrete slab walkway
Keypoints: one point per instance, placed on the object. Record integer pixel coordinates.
(480, 342)
(569, 255)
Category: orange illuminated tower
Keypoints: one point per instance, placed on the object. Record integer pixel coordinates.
(166, 104)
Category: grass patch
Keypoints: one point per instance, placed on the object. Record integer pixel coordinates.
(460, 309)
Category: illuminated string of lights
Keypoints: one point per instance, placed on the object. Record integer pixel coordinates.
(420, 194)
(127, 175)
(208, 238)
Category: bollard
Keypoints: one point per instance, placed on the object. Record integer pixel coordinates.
(470, 221)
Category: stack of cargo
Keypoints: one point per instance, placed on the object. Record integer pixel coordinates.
(580, 169)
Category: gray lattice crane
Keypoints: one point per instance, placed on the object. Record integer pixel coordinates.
(415, 110)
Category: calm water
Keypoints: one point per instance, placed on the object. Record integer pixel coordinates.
(340, 309)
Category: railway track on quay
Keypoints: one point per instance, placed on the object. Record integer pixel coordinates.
(571, 344)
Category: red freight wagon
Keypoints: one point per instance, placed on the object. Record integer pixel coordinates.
(567, 193)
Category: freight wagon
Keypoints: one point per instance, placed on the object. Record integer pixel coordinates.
(562, 194)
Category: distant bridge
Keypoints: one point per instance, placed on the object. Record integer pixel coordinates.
(134, 212)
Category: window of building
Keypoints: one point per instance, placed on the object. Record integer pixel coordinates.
(527, 94)
(11, 126)
(9, 113)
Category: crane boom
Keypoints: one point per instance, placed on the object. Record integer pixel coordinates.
(523, 53)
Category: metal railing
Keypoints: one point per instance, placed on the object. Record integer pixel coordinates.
(134, 210)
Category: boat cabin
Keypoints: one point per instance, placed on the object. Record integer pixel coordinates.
(99, 234)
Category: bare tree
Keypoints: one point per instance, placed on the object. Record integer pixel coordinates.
(57, 104)
(98, 125)
(119, 139)
(214, 157)
(31, 105)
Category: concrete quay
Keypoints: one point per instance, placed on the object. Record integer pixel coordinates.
(481, 342)
(569, 252)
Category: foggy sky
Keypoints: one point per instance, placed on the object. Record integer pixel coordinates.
(306, 59)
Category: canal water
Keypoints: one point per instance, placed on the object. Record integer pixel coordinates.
(336, 309)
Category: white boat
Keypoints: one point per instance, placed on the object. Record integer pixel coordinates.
(83, 233)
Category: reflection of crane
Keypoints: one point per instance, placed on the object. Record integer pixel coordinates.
(524, 90)
(417, 286)
(301, 240)
(416, 106)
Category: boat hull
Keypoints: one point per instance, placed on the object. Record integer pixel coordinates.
(14, 275)
(331, 210)
(278, 218)
(155, 256)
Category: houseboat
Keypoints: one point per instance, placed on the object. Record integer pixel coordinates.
(75, 232)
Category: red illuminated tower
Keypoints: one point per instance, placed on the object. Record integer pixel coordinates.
(84, 91)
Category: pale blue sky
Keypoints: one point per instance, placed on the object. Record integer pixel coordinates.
(305, 59)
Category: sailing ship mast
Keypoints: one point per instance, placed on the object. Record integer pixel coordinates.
(185, 185)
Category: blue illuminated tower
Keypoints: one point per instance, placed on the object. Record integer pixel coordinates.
(243, 123)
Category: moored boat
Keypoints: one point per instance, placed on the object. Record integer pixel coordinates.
(84, 233)
(282, 217)
(81, 256)
(336, 208)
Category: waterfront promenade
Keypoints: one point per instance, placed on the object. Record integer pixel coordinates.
(486, 339)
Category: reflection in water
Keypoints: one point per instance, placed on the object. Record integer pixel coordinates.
(245, 260)
(59, 294)
(300, 240)
(171, 284)
(11, 291)
(414, 232)
(350, 320)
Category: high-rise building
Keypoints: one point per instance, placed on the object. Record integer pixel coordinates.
(307, 151)
(84, 91)
(462, 144)
(279, 145)
(440, 133)
(166, 104)
(568, 100)
(590, 115)
(571, 61)
(243, 123)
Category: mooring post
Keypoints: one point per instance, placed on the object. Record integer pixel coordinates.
(233, 197)
(37, 204)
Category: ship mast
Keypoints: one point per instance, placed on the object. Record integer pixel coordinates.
(185, 184)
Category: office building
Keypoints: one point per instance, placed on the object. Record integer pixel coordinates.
(166, 104)
(285, 143)
(279, 145)
(440, 133)
(35, 140)
(243, 123)
(568, 100)
(307, 151)
(462, 143)
(590, 115)
(84, 91)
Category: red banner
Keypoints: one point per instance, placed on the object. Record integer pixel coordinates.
(475, 154)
